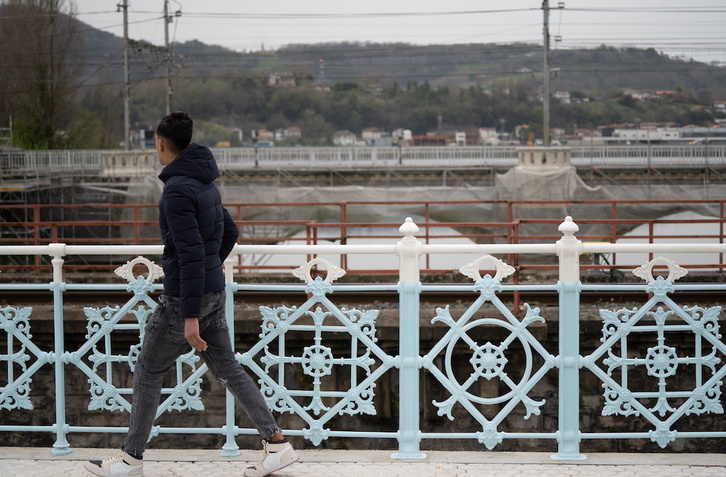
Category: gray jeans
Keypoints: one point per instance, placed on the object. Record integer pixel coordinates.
(164, 342)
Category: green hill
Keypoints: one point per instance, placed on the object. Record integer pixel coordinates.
(451, 65)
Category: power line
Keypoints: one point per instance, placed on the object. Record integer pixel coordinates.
(335, 16)
(690, 9)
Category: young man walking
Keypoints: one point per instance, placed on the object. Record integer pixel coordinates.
(198, 234)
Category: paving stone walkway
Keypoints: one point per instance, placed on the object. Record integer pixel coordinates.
(37, 462)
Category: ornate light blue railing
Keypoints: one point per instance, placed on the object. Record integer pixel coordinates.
(469, 367)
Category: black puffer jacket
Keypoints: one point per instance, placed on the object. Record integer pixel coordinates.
(197, 231)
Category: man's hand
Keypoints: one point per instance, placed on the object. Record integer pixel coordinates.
(191, 333)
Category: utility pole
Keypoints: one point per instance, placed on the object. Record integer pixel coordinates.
(547, 72)
(127, 81)
(168, 18)
(546, 75)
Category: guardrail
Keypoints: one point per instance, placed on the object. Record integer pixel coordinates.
(662, 389)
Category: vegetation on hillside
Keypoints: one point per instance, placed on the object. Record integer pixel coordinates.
(249, 103)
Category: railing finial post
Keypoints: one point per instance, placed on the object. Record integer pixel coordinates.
(409, 251)
(569, 249)
(230, 447)
(409, 293)
(57, 251)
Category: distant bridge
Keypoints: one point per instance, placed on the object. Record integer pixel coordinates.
(703, 165)
(322, 178)
(142, 162)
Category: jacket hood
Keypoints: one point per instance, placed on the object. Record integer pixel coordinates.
(195, 161)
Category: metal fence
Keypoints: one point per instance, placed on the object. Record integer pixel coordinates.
(298, 223)
(475, 347)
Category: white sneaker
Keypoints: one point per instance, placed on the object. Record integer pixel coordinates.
(276, 456)
(120, 465)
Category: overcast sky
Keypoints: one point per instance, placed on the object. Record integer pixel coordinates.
(688, 28)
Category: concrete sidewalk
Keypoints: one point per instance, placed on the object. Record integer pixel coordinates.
(38, 462)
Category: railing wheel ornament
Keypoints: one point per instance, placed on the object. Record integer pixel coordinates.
(127, 271)
(675, 271)
(472, 270)
(303, 272)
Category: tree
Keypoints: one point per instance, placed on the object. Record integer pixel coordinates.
(315, 130)
(38, 75)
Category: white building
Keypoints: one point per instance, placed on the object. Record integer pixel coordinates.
(344, 138)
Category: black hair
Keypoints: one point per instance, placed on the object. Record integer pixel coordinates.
(176, 128)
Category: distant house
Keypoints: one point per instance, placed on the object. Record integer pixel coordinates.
(562, 96)
(557, 132)
(374, 88)
(647, 134)
(402, 136)
(293, 132)
(429, 140)
(371, 133)
(322, 87)
(536, 97)
(719, 106)
(265, 135)
(344, 138)
(376, 137)
(282, 80)
(584, 132)
(638, 94)
(487, 133)
(664, 94)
